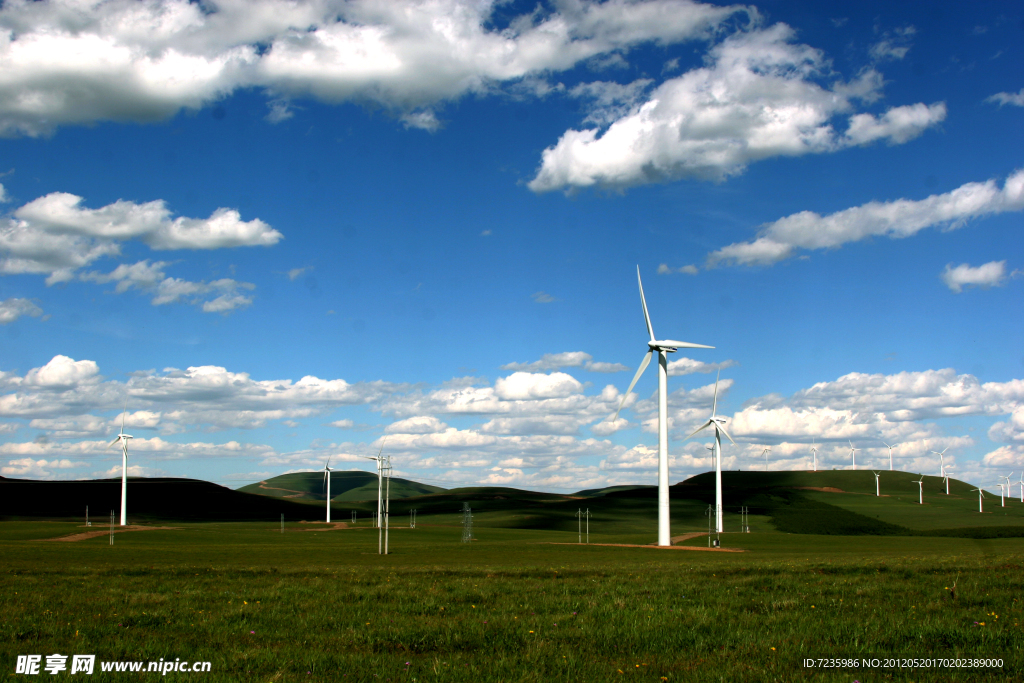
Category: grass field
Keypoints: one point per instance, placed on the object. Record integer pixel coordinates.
(517, 604)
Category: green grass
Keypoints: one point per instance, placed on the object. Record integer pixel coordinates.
(262, 605)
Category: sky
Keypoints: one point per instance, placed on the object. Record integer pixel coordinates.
(274, 233)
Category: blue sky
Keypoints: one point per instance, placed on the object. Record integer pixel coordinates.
(281, 231)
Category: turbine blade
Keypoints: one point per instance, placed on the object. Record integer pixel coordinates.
(682, 344)
(124, 412)
(643, 302)
(722, 427)
(714, 408)
(639, 371)
(113, 442)
(701, 428)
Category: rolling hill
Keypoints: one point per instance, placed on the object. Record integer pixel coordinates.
(148, 498)
(345, 486)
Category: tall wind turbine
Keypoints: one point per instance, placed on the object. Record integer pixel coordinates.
(327, 483)
(853, 454)
(765, 454)
(941, 461)
(890, 453)
(123, 438)
(663, 347)
(981, 494)
(878, 491)
(719, 424)
(814, 454)
(383, 497)
(920, 490)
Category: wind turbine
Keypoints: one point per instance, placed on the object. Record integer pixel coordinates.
(1022, 487)
(814, 454)
(878, 491)
(1002, 499)
(890, 453)
(711, 448)
(920, 490)
(123, 438)
(383, 498)
(327, 483)
(663, 347)
(719, 424)
(945, 477)
(853, 454)
(981, 494)
(939, 453)
(765, 454)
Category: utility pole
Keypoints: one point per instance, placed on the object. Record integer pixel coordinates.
(282, 522)
(111, 527)
(579, 525)
(708, 513)
(587, 513)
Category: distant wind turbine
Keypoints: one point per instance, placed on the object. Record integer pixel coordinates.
(711, 447)
(1022, 486)
(920, 490)
(327, 483)
(878, 491)
(663, 347)
(945, 477)
(765, 454)
(123, 438)
(719, 424)
(890, 453)
(814, 454)
(1002, 500)
(941, 461)
(981, 494)
(853, 454)
(383, 497)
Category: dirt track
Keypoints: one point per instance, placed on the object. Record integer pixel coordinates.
(117, 530)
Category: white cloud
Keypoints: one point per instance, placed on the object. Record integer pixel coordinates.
(552, 361)
(3, 195)
(688, 366)
(40, 469)
(992, 274)
(757, 98)
(68, 63)
(62, 373)
(689, 269)
(296, 273)
(54, 234)
(1010, 431)
(343, 424)
(12, 309)
(897, 219)
(526, 386)
(600, 366)
(894, 45)
(1014, 98)
(150, 278)
(425, 424)
(543, 298)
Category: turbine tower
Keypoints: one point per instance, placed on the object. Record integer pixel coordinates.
(878, 491)
(327, 483)
(719, 424)
(383, 497)
(945, 477)
(765, 454)
(123, 438)
(1001, 497)
(1022, 487)
(920, 490)
(981, 494)
(941, 461)
(890, 453)
(814, 454)
(853, 454)
(663, 347)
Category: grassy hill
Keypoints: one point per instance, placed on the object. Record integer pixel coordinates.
(345, 486)
(148, 498)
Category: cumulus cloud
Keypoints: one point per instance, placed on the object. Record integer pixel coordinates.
(897, 219)
(424, 424)
(150, 278)
(688, 366)
(1014, 98)
(991, 274)
(40, 469)
(758, 97)
(892, 45)
(12, 309)
(55, 234)
(68, 63)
